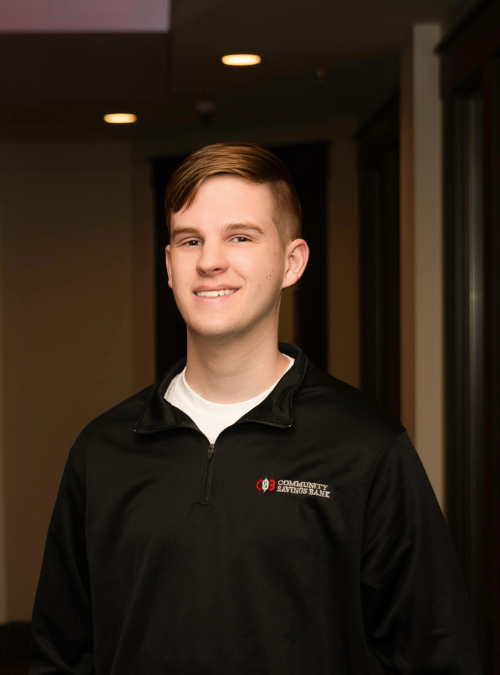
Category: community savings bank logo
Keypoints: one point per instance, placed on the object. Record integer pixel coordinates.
(294, 487)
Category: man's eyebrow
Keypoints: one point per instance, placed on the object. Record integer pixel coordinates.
(186, 230)
(230, 227)
(252, 227)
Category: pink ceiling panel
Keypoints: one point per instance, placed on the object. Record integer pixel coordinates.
(85, 16)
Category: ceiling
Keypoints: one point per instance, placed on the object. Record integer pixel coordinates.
(52, 16)
(320, 59)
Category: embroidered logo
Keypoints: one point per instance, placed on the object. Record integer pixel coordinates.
(265, 484)
(294, 487)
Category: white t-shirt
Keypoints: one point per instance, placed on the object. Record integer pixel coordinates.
(211, 418)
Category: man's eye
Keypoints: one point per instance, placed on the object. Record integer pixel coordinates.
(240, 238)
(191, 242)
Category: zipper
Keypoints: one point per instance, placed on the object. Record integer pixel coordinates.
(205, 495)
(207, 481)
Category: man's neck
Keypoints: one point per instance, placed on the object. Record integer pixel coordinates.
(230, 371)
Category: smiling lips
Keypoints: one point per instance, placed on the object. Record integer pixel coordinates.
(215, 294)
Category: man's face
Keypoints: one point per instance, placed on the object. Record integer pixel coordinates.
(226, 263)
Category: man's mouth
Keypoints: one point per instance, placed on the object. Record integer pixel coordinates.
(215, 294)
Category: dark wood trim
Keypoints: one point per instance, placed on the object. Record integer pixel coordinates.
(15, 643)
(462, 25)
(491, 80)
(383, 126)
(473, 363)
(458, 492)
(378, 171)
(474, 41)
(470, 68)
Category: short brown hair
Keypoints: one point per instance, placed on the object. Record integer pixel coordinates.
(247, 160)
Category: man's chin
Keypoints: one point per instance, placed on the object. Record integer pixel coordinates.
(214, 332)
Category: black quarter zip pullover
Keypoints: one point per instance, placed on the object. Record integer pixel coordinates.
(306, 540)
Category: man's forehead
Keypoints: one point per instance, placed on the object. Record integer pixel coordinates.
(226, 200)
(231, 190)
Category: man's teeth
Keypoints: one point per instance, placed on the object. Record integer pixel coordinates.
(214, 294)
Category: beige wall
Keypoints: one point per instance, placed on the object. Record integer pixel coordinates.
(66, 326)
(422, 272)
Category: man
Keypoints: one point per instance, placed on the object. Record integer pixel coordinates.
(250, 513)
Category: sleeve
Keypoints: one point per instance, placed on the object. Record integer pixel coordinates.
(62, 618)
(416, 612)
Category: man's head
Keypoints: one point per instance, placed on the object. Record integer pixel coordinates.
(248, 161)
(233, 244)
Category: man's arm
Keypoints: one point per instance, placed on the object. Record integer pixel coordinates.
(62, 620)
(417, 616)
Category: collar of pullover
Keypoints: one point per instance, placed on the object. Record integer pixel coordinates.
(276, 410)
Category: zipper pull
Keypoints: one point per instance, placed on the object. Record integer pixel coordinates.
(210, 452)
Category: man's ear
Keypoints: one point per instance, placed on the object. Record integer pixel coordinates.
(168, 264)
(297, 255)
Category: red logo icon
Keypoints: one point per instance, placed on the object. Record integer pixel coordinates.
(265, 484)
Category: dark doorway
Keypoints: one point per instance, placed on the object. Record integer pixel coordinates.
(378, 170)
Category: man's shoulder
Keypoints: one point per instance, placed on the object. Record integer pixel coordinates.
(121, 417)
(336, 404)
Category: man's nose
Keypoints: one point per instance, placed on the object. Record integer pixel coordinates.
(212, 259)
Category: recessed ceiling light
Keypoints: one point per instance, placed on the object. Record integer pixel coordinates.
(120, 118)
(241, 59)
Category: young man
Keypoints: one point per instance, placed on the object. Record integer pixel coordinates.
(250, 513)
